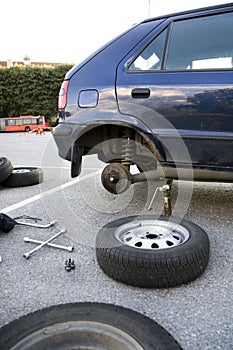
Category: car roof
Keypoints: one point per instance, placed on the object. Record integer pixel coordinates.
(202, 9)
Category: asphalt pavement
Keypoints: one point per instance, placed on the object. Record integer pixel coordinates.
(199, 314)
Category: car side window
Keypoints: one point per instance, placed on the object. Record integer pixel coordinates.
(201, 43)
(151, 57)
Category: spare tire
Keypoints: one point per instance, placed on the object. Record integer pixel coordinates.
(86, 326)
(5, 168)
(24, 177)
(152, 253)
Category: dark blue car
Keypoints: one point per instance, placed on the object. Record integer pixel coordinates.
(159, 96)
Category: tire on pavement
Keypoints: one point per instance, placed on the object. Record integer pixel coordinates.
(86, 326)
(152, 253)
(5, 168)
(27, 176)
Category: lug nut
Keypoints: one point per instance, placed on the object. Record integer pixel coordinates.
(69, 265)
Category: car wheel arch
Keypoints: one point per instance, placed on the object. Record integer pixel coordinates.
(99, 132)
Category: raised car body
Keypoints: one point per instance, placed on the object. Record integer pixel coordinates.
(167, 85)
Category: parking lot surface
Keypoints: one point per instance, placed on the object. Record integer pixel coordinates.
(199, 314)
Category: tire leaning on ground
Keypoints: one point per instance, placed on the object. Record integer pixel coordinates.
(6, 168)
(86, 326)
(152, 253)
(24, 177)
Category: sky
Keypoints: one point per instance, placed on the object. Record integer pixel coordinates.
(68, 31)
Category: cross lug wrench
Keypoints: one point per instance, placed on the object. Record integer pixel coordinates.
(28, 254)
(30, 240)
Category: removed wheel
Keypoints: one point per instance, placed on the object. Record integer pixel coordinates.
(5, 168)
(152, 253)
(24, 177)
(86, 326)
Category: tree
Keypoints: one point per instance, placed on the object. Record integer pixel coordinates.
(30, 90)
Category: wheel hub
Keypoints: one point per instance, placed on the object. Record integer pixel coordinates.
(116, 178)
(113, 177)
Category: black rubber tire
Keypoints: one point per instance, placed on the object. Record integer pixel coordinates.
(100, 326)
(24, 177)
(6, 168)
(152, 268)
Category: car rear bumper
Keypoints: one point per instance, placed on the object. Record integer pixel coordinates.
(65, 137)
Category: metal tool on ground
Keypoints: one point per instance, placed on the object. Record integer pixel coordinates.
(51, 223)
(28, 254)
(58, 246)
(7, 223)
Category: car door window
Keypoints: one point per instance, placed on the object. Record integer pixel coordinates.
(201, 43)
(151, 57)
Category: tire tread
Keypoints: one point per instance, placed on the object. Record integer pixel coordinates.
(6, 169)
(151, 336)
(33, 177)
(169, 268)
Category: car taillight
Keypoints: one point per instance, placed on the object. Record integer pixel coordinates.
(62, 100)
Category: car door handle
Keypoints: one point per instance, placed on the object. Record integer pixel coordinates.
(140, 93)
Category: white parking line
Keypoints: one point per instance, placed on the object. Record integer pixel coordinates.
(41, 166)
(45, 194)
(49, 167)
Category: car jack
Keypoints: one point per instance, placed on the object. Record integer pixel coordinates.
(166, 190)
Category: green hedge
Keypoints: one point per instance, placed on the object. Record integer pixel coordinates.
(31, 90)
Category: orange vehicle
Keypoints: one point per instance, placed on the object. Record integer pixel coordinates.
(23, 123)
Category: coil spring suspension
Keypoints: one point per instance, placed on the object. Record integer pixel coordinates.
(127, 147)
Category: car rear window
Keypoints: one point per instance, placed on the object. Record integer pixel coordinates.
(151, 57)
